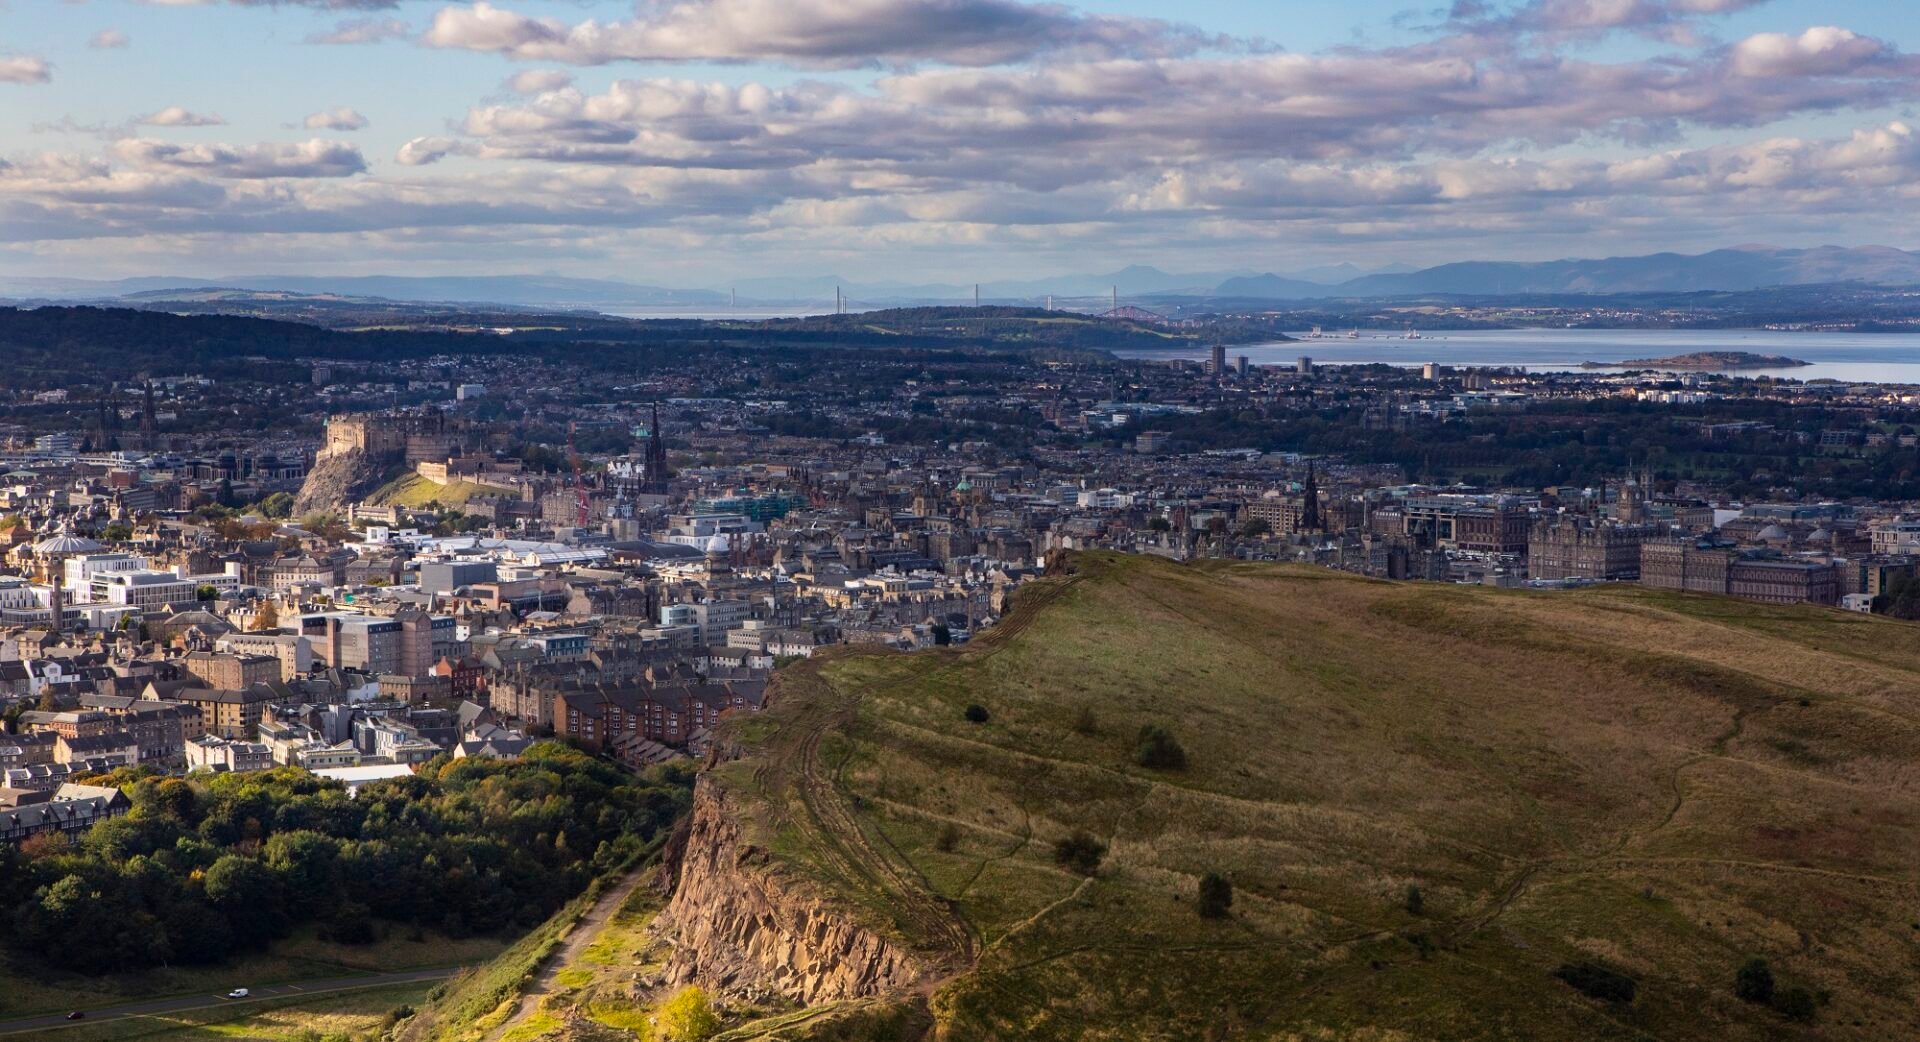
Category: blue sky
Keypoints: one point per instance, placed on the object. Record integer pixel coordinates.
(693, 142)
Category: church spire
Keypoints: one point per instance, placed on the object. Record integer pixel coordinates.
(1310, 503)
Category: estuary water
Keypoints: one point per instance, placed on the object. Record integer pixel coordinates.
(1848, 357)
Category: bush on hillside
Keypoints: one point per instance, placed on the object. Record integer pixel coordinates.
(1080, 853)
(689, 1016)
(1159, 750)
(1216, 896)
(1754, 982)
(1795, 1004)
(1598, 982)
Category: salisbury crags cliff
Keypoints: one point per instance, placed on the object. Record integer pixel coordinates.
(1440, 810)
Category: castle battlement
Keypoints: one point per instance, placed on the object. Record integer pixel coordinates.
(379, 434)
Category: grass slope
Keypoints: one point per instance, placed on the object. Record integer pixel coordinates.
(334, 1018)
(1663, 784)
(27, 989)
(412, 490)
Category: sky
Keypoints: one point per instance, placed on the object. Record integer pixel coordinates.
(695, 142)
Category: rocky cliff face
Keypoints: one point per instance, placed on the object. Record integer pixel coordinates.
(739, 926)
(341, 477)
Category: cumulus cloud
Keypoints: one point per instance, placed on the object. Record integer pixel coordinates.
(826, 33)
(1823, 50)
(999, 124)
(316, 158)
(538, 81)
(324, 5)
(24, 68)
(1059, 124)
(342, 118)
(362, 30)
(1576, 17)
(177, 116)
(107, 39)
(425, 151)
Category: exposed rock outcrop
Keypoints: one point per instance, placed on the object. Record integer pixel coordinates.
(342, 477)
(738, 925)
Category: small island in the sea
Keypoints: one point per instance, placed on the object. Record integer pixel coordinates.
(1705, 360)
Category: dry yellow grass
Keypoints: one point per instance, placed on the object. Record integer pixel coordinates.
(352, 1015)
(1665, 784)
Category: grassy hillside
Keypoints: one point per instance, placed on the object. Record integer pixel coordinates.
(1661, 786)
(336, 1017)
(412, 490)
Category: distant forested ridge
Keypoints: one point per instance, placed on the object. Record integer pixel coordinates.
(39, 344)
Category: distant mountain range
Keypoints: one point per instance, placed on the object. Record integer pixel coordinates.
(1739, 268)
(549, 291)
(1134, 281)
(1736, 269)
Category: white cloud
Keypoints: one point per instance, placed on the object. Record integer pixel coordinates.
(826, 33)
(362, 30)
(425, 151)
(1824, 50)
(342, 118)
(538, 81)
(23, 68)
(314, 158)
(107, 39)
(176, 116)
(1003, 125)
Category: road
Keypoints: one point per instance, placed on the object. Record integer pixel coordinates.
(184, 1003)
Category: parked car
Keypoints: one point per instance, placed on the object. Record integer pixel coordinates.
(237, 993)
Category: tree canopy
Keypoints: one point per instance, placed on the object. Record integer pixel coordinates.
(201, 868)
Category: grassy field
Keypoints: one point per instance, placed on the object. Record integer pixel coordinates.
(302, 956)
(352, 1015)
(1662, 785)
(412, 490)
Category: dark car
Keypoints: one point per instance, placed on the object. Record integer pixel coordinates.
(76, 1015)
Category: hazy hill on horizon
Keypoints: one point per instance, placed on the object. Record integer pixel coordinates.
(1733, 269)
(1739, 268)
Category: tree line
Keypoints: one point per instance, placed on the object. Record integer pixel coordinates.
(202, 868)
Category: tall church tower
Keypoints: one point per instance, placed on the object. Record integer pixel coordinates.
(1310, 503)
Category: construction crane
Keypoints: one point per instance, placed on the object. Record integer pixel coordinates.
(579, 482)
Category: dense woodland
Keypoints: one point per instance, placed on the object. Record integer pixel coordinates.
(204, 868)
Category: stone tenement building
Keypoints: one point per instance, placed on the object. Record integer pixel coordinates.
(1586, 548)
(1686, 564)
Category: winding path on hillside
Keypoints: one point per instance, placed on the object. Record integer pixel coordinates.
(583, 934)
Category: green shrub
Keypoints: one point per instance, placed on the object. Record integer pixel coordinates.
(977, 714)
(1216, 896)
(1754, 982)
(1795, 1004)
(1598, 982)
(1159, 750)
(689, 1017)
(1416, 901)
(1080, 853)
